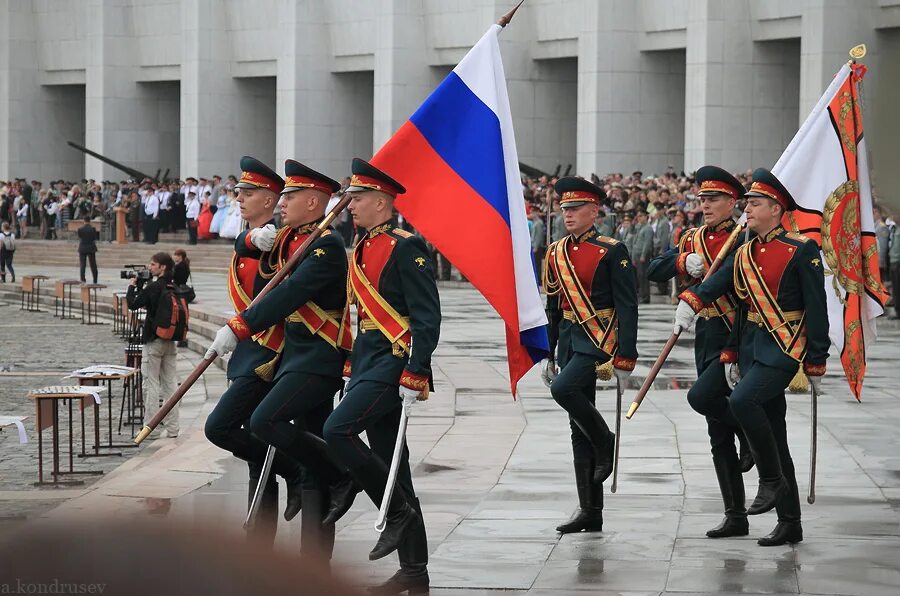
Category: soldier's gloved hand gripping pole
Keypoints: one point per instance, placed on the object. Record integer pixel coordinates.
(648, 382)
(276, 279)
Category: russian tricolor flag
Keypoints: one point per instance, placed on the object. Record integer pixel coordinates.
(457, 158)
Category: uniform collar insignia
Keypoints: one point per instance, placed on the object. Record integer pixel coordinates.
(385, 227)
(723, 225)
(586, 236)
(773, 234)
(309, 227)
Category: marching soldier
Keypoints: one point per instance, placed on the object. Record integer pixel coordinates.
(590, 288)
(783, 323)
(312, 303)
(392, 283)
(250, 367)
(697, 249)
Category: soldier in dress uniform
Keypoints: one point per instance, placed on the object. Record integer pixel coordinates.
(592, 306)
(783, 324)
(392, 284)
(697, 249)
(312, 304)
(251, 366)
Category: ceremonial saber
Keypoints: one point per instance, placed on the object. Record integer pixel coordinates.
(260, 487)
(813, 440)
(381, 522)
(654, 370)
(615, 480)
(276, 279)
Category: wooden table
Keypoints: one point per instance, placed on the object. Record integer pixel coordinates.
(129, 380)
(31, 292)
(63, 297)
(89, 298)
(47, 410)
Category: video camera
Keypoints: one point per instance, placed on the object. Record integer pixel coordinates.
(136, 271)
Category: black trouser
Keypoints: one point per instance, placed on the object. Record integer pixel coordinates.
(151, 230)
(82, 262)
(192, 233)
(709, 397)
(6, 259)
(574, 389)
(375, 407)
(642, 282)
(228, 426)
(895, 287)
(759, 405)
(297, 397)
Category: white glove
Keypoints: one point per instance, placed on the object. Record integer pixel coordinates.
(816, 383)
(622, 376)
(548, 372)
(263, 238)
(693, 264)
(732, 374)
(226, 341)
(409, 397)
(684, 315)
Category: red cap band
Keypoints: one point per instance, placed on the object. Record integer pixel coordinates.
(768, 191)
(374, 184)
(580, 196)
(711, 186)
(302, 182)
(261, 181)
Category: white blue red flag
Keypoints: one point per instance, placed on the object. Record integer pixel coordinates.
(457, 158)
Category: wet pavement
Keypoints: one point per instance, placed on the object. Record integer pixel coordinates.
(495, 478)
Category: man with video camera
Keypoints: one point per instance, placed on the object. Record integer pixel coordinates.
(149, 289)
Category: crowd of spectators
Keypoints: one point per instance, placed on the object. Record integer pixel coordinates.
(647, 213)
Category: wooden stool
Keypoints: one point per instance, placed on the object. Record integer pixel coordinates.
(47, 409)
(129, 378)
(63, 297)
(89, 299)
(31, 292)
(134, 356)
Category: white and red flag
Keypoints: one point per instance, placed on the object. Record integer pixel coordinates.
(826, 170)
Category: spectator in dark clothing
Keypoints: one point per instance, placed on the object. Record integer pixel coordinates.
(87, 248)
(182, 267)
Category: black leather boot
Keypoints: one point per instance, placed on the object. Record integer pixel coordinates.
(294, 496)
(788, 528)
(746, 457)
(326, 467)
(265, 525)
(314, 537)
(343, 493)
(372, 476)
(731, 485)
(602, 440)
(400, 519)
(413, 554)
(771, 481)
(784, 533)
(403, 581)
(588, 518)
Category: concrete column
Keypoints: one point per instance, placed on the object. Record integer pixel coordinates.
(35, 120)
(402, 77)
(317, 109)
(608, 88)
(222, 118)
(829, 28)
(111, 94)
(719, 94)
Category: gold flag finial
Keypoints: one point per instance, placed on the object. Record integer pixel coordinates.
(858, 52)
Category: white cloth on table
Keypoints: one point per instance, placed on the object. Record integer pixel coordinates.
(74, 389)
(100, 370)
(17, 421)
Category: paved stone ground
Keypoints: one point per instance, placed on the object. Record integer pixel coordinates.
(37, 350)
(495, 478)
